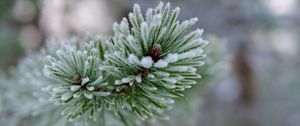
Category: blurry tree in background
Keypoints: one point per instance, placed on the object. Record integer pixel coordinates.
(258, 38)
(27, 24)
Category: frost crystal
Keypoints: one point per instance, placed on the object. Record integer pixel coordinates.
(161, 64)
(147, 62)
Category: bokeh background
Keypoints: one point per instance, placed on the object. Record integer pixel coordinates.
(257, 64)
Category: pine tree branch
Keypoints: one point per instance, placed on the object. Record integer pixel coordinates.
(135, 75)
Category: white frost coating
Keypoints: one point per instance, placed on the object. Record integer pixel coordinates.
(104, 84)
(124, 25)
(199, 31)
(170, 101)
(170, 80)
(51, 59)
(98, 80)
(144, 28)
(178, 68)
(90, 88)
(94, 50)
(77, 95)
(127, 79)
(115, 26)
(144, 33)
(130, 39)
(190, 54)
(194, 20)
(156, 19)
(161, 73)
(102, 93)
(192, 69)
(189, 22)
(177, 9)
(54, 64)
(170, 85)
(161, 64)
(179, 77)
(131, 83)
(138, 79)
(147, 62)
(133, 59)
(205, 42)
(86, 64)
(117, 82)
(90, 57)
(149, 15)
(151, 76)
(88, 95)
(188, 86)
(66, 96)
(75, 88)
(85, 80)
(172, 58)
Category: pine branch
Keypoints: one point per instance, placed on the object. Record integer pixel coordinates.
(141, 68)
(135, 75)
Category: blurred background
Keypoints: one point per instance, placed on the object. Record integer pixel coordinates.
(257, 42)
